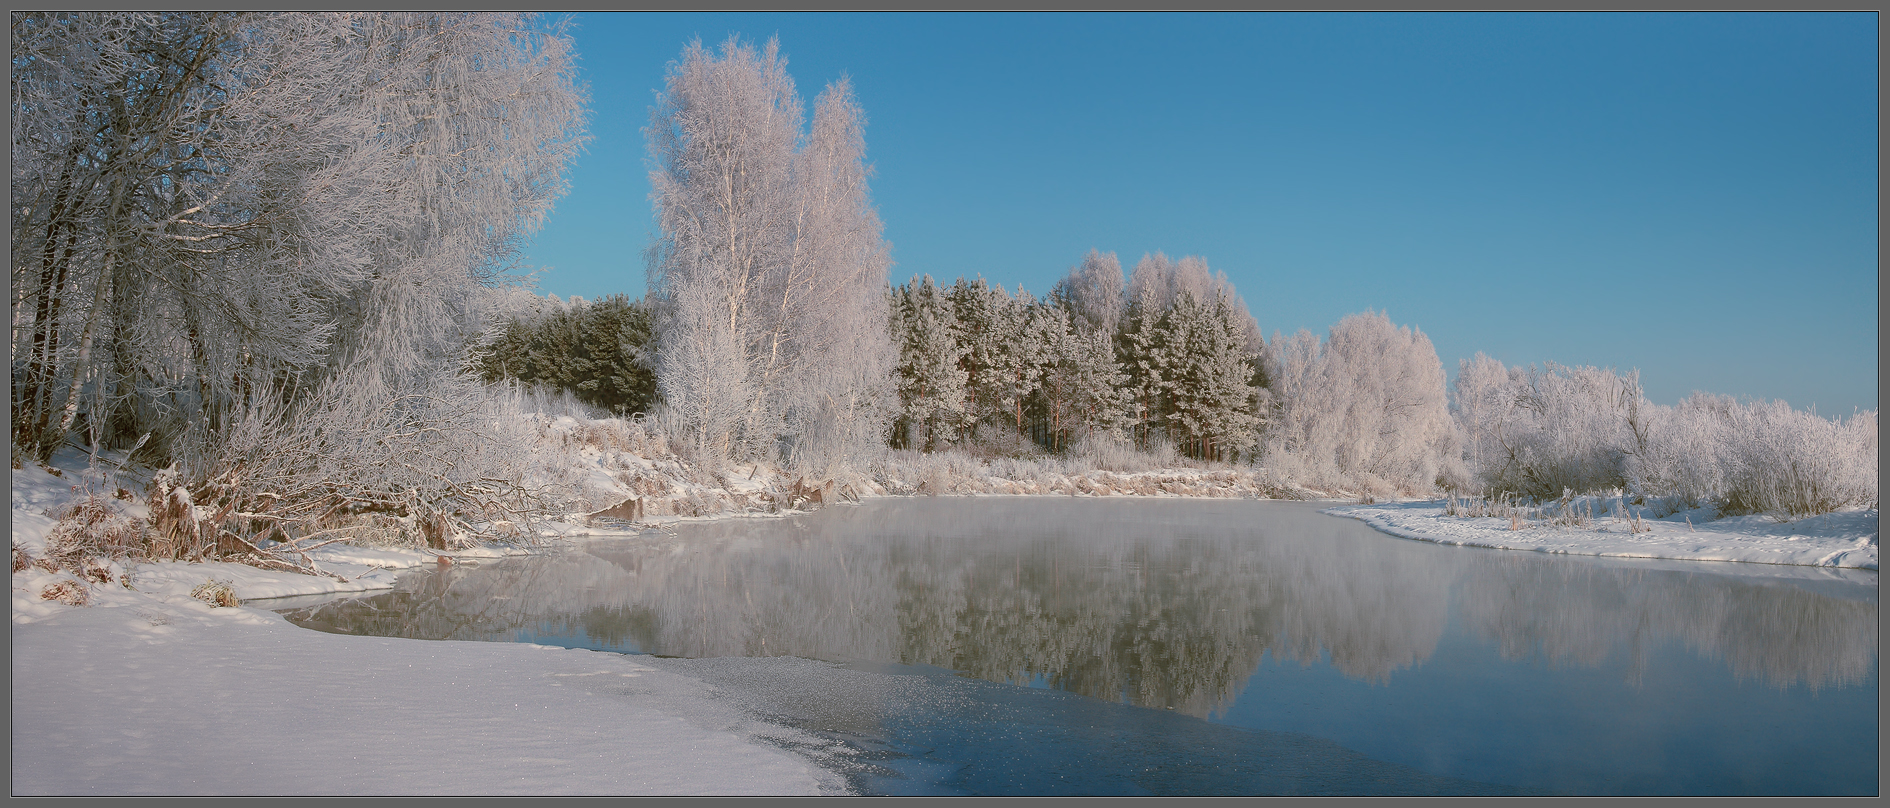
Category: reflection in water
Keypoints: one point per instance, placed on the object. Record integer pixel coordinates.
(1577, 614)
(1166, 604)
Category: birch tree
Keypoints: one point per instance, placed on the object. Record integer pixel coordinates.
(1093, 291)
(830, 351)
(722, 138)
(781, 244)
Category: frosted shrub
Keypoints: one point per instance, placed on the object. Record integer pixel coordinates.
(550, 401)
(1539, 431)
(1682, 458)
(991, 441)
(67, 591)
(1570, 430)
(435, 451)
(1798, 464)
(1755, 457)
(217, 592)
(1107, 452)
(92, 528)
(1542, 432)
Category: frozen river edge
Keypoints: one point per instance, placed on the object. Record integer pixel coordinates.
(1846, 539)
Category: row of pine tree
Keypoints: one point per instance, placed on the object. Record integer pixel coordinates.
(600, 351)
(973, 357)
(977, 364)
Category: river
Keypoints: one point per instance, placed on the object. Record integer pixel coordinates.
(1046, 645)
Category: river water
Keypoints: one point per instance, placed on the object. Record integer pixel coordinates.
(1045, 645)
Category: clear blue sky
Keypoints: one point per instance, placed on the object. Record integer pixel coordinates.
(1693, 195)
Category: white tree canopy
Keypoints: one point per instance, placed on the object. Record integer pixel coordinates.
(1365, 410)
(781, 243)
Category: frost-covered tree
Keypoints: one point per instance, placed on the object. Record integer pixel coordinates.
(703, 371)
(1186, 340)
(1164, 281)
(931, 378)
(987, 330)
(1212, 401)
(1082, 392)
(1093, 292)
(1364, 410)
(1775, 459)
(226, 206)
(164, 227)
(260, 238)
(479, 115)
(1035, 330)
(1572, 428)
(830, 350)
(1141, 349)
(781, 245)
(1171, 368)
(1482, 396)
(722, 138)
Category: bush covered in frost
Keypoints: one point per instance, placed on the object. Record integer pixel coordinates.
(1537, 432)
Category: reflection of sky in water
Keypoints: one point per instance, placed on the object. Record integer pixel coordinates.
(1687, 727)
(1548, 673)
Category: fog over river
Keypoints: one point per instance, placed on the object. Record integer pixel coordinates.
(1167, 604)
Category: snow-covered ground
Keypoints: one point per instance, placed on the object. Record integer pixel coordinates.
(170, 696)
(147, 690)
(1846, 538)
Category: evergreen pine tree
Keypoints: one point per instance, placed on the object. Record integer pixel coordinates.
(1139, 351)
(931, 373)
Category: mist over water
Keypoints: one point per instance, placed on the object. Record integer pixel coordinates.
(1170, 605)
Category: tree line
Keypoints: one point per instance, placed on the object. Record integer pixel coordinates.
(1169, 364)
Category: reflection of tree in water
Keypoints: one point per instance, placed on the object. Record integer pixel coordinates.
(1159, 622)
(458, 603)
(1579, 614)
(1159, 603)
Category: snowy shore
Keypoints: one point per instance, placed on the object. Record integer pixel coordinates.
(165, 695)
(1847, 538)
(147, 690)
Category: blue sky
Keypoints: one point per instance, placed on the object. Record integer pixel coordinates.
(1693, 195)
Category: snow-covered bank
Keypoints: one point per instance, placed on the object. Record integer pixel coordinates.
(39, 495)
(171, 696)
(147, 690)
(615, 468)
(1847, 538)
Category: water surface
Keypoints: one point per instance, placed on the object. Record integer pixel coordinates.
(1047, 645)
